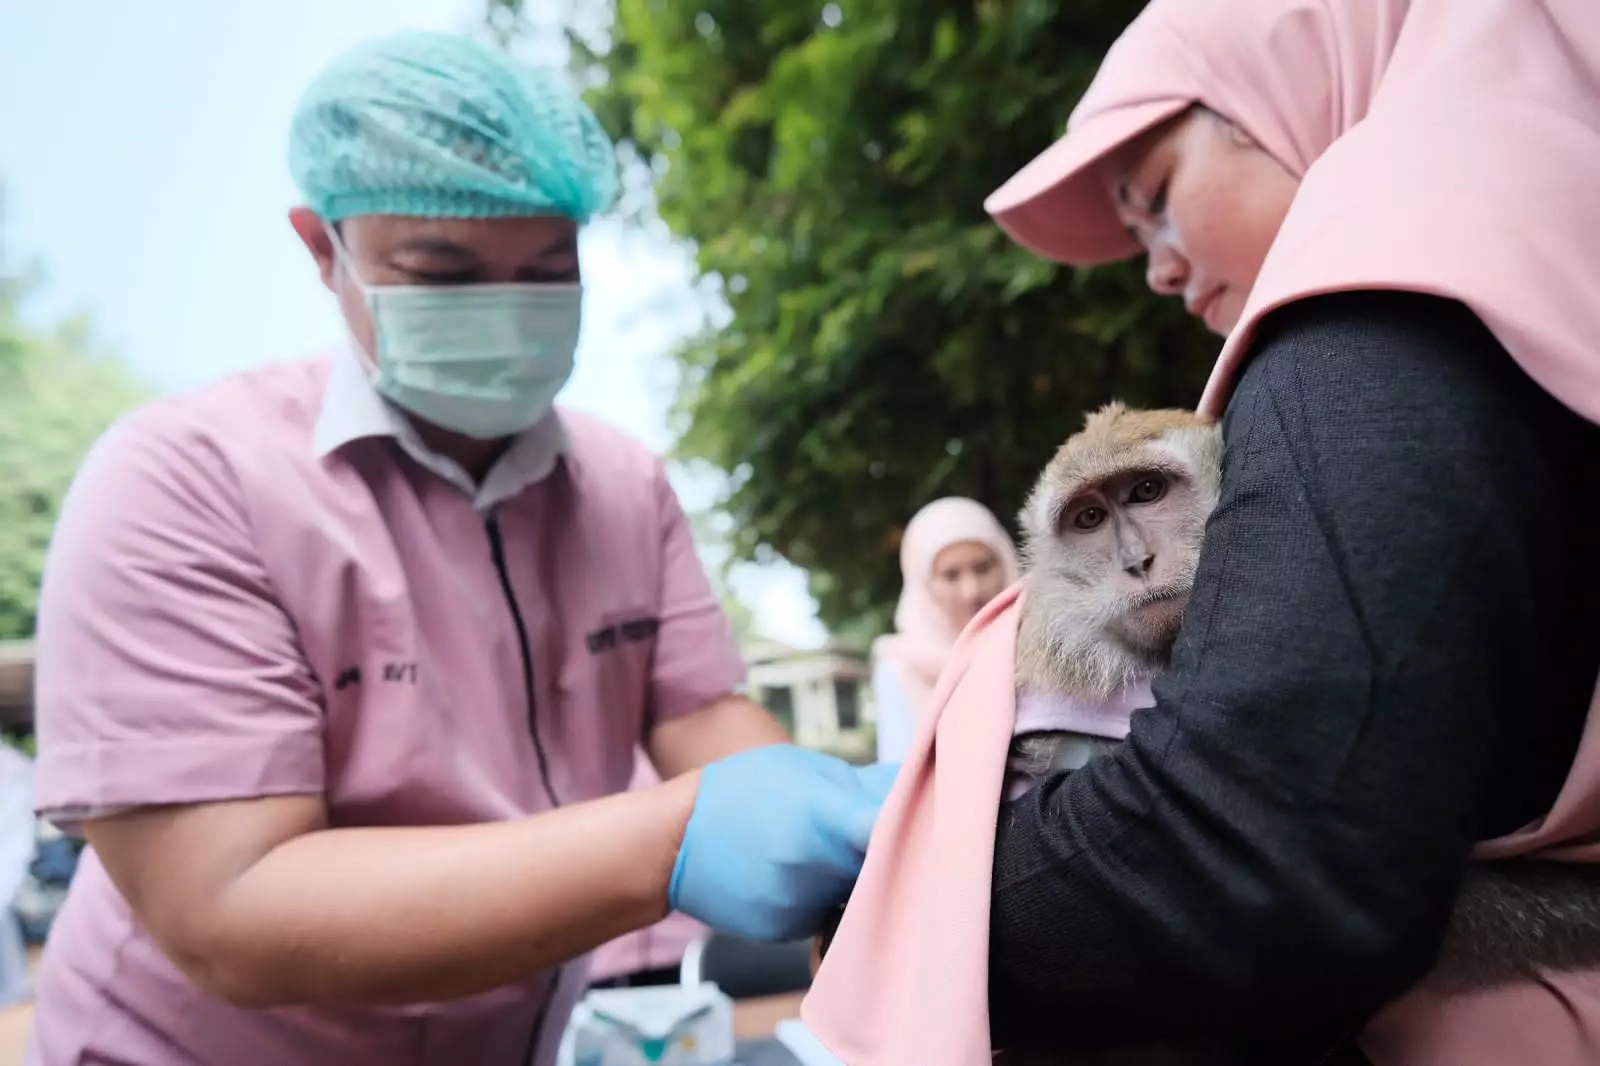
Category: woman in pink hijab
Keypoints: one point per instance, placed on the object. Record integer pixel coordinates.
(1389, 662)
(954, 558)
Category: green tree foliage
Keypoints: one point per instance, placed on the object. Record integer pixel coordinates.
(887, 343)
(56, 396)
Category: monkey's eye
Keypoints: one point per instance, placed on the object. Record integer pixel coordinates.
(1089, 518)
(1148, 490)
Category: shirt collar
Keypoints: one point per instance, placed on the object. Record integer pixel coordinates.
(352, 410)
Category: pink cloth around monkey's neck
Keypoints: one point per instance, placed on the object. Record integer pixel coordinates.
(1040, 713)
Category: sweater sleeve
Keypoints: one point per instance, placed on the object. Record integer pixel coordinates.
(1388, 655)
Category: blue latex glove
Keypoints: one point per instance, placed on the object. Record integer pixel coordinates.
(776, 840)
(878, 778)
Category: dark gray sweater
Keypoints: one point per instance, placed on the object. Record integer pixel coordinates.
(1389, 654)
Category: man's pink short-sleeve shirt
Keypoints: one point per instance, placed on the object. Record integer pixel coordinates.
(231, 611)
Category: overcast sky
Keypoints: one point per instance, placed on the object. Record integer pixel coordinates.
(143, 161)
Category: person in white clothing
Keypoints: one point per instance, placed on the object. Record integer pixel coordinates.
(954, 557)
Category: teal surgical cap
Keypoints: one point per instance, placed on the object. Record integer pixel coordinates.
(440, 126)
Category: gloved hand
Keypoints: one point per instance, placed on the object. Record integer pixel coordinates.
(776, 840)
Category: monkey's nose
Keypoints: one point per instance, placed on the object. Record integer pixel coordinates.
(1140, 567)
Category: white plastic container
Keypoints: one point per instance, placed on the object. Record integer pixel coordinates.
(665, 1025)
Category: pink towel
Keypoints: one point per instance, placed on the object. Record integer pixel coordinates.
(905, 979)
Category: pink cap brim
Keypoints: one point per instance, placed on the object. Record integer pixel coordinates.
(1056, 205)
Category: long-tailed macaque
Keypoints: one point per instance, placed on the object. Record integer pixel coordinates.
(1111, 538)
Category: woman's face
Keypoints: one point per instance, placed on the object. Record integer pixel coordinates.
(965, 577)
(1206, 202)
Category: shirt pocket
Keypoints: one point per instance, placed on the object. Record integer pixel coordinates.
(607, 691)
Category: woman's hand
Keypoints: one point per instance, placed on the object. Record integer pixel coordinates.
(776, 840)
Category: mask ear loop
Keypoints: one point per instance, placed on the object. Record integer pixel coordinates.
(341, 254)
(343, 261)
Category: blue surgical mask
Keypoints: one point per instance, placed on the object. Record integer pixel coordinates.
(482, 360)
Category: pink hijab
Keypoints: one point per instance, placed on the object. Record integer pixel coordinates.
(923, 632)
(1444, 146)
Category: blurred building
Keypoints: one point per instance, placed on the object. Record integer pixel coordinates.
(823, 696)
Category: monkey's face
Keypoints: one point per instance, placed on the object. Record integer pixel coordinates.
(1133, 540)
(1114, 529)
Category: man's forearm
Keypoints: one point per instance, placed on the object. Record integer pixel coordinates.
(411, 915)
(723, 727)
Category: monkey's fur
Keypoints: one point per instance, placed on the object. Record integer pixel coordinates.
(1100, 615)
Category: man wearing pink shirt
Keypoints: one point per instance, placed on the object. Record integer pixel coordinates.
(343, 664)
